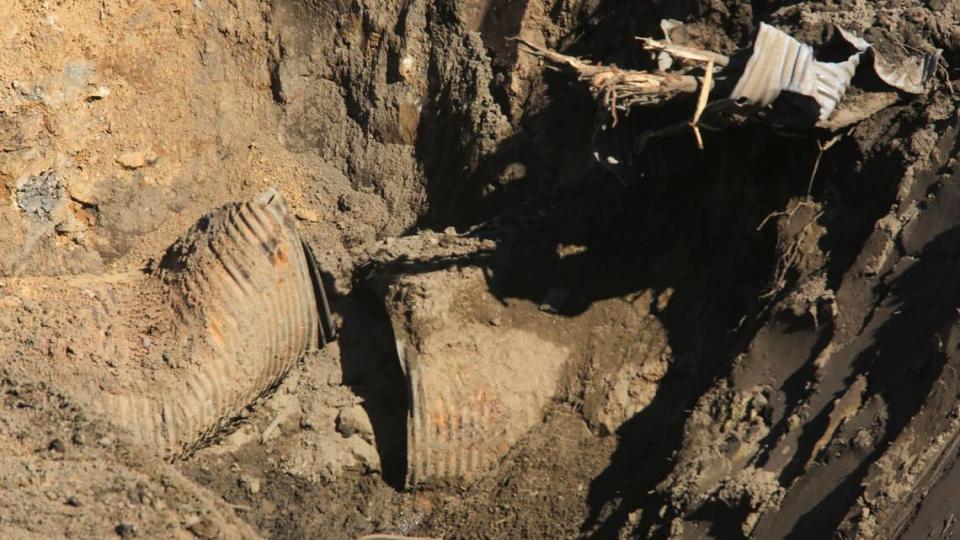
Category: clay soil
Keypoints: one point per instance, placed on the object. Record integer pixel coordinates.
(739, 347)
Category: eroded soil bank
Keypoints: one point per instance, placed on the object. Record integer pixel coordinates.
(731, 346)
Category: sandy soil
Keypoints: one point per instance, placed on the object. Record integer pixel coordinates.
(591, 359)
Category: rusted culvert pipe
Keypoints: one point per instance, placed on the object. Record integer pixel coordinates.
(174, 352)
(475, 388)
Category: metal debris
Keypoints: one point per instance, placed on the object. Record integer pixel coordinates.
(780, 63)
(475, 389)
(174, 353)
(780, 81)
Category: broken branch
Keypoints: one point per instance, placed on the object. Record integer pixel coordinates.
(822, 147)
(702, 100)
(617, 87)
(685, 53)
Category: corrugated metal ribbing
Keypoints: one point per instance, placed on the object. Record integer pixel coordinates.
(780, 63)
(256, 304)
(457, 432)
(174, 354)
(473, 392)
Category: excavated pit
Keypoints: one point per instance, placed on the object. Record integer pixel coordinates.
(741, 343)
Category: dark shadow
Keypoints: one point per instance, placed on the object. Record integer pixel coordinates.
(689, 226)
(796, 390)
(693, 233)
(326, 329)
(902, 364)
(370, 368)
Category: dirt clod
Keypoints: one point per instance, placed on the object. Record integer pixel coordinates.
(135, 160)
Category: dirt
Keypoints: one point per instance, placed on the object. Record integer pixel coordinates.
(739, 344)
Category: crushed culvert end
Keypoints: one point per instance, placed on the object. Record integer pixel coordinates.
(779, 81)
(172, 354)
(474, 388)
(780, 63)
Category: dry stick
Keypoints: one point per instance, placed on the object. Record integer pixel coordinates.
(613, 85)
(823, 147)
(617, 86)
(696, 55)
(702, 100)
(686, 53)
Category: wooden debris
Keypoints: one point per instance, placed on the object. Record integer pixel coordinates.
(702, 100)
(616, 87)
(685, 53)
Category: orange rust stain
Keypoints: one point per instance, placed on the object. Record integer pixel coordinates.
(279, 258)
(484, 404)
(216, 335)
(439, 422)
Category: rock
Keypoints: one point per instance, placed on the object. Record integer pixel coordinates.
(408, 67)
(308, 214)
(250, 483)
(82, 188)
(286, 408)
(204, 528)
(126, 530)
(136, 160)
(364, 452)
(98, 93)
(41, 195)
(69, 224)
(355, 421)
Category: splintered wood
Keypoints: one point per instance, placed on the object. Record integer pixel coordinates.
(615, 87)
(621, 89)
(684, 53)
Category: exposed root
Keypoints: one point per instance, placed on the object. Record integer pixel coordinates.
(823, 147)
(619, 88)
(793, 253)
(788, 213)
(943, 69)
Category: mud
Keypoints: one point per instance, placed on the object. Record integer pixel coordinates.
(756, 339)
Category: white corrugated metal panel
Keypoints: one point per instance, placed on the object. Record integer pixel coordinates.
(781, 63)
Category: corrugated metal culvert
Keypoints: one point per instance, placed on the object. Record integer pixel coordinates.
(474, 389)
(174, 353)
